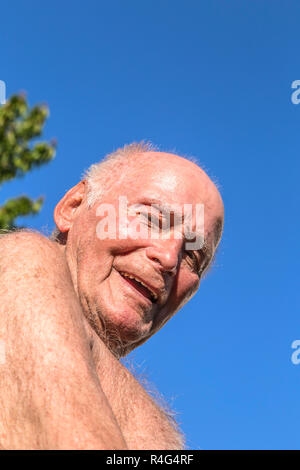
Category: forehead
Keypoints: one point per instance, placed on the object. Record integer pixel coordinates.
(172, 178)
(175, 178)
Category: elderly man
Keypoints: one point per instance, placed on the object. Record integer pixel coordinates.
(71, 307)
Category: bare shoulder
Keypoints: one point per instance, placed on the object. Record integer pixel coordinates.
(23, 244)
(35, 280)
(39, 310)
(25, 255)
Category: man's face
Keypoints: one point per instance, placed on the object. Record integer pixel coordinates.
(111, 275)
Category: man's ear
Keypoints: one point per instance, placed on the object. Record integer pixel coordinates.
(65, 210)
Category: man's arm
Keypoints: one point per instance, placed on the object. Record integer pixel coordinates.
(50, 393)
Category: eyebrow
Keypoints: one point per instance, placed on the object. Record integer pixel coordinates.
(162, 206)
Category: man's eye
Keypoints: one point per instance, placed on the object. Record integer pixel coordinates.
(150, 219)
(193, 260)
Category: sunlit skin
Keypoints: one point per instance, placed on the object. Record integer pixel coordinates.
(95, 265)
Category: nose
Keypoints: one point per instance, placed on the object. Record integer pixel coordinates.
(166, 254)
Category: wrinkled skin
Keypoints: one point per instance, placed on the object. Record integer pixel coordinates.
(107, 299)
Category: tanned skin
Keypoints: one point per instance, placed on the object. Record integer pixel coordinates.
(61, 384)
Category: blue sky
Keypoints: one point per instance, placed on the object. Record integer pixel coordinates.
(205, 79)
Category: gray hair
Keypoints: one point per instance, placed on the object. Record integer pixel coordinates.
(101, 176)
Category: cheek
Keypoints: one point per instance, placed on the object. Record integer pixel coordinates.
(186, 285)
(94, 266)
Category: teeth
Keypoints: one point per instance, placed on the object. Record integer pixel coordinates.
(141, 282)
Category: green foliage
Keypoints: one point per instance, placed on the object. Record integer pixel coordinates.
(18, 126)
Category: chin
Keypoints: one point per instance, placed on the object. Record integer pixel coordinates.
(123, 328)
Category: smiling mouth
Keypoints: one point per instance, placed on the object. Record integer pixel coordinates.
(139, 286)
